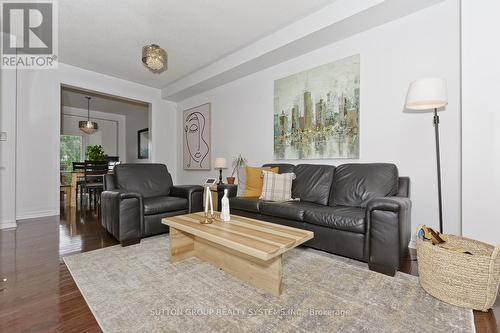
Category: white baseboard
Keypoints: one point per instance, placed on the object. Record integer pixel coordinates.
(8, 224)
(34, 215)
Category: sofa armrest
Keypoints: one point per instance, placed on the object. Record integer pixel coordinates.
(194, 194)
(123, 215)
(389, 232)
(404, 187)
(391, 204)
(232, 189)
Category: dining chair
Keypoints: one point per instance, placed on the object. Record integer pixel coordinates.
(113, 160)
(93, 182)
(112, 165)
(65, 190)
(79, 167)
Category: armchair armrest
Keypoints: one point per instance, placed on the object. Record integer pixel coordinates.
(194, 194)
(404, 187)
(389, 232)
(122, 215)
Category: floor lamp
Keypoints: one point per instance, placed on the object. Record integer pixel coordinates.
(425, 95)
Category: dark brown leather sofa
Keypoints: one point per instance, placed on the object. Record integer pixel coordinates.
(360, 211)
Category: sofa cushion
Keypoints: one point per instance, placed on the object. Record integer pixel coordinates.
(341, 218)
(246, 204)
(291, 210)
(241, 174)
(283, 167)
(277, 187)
(356, 184)
(148, 179)
(163, 204)
(313, 183)
(253, 186)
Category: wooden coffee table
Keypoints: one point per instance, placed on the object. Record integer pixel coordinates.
(247, 248)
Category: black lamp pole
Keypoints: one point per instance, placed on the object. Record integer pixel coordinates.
(220, 177)
(438, 159)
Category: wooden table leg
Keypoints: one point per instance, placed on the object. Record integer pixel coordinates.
(73, 195)
(181, 245)
(266, 275)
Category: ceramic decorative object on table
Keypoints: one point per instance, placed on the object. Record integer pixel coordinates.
(224, 213)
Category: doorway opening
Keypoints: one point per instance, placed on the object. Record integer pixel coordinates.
(97, 131)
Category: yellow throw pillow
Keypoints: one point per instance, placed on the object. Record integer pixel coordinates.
(254, 181)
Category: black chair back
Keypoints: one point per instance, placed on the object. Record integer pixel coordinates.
(95, 171)
(78, 166)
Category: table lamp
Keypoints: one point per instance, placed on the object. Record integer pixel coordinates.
(220, 163)
(426, 95)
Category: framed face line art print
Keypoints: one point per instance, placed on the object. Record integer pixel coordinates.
(196, 132)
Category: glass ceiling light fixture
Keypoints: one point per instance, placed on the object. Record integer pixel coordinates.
(89, 127)
(155, 58)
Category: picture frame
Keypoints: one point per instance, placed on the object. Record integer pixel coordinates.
(143, 143)
(196, 134)
(317, 112)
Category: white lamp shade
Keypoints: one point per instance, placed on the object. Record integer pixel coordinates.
(220, 163)
(426, 94)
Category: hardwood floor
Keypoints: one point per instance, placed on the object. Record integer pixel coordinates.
(40, 295)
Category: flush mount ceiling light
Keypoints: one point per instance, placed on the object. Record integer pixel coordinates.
(155, 58)
(89, 127)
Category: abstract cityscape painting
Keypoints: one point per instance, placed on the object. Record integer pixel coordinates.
(196, 138)
(316, 112)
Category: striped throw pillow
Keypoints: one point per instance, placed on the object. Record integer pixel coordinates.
(241, 173)
(277, 187)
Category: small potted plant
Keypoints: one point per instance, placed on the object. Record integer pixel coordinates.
(95, 153)
(238, 162)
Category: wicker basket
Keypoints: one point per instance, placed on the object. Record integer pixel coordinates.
(469, 281)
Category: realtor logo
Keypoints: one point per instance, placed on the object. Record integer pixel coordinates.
(29, 34)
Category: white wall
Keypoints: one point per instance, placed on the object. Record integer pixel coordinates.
(39, 127)
(481, 119)
(135, 121)
(7, 148)
(423, 44)
(111, 133)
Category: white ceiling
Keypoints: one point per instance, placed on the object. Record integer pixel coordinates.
(107, 36)
(340, 20)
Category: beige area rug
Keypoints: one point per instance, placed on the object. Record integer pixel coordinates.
(136, 289)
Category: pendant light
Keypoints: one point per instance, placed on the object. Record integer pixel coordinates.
(89, 127)
(155, 58)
